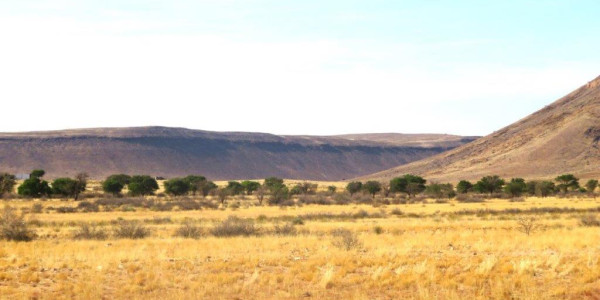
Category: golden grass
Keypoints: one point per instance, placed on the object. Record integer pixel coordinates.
(430, 252)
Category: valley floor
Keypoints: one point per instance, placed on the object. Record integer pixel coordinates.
(407, 251)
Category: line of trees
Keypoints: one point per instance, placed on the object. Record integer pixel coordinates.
(412, 185)
(273, 187)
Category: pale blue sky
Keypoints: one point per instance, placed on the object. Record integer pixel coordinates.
(292, 67)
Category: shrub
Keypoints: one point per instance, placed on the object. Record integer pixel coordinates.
(90, 232)
(378, 230)
(37, 208)
(298, 221)
(188, 230)
(468, 198)
(13, 227)
(234, 226)
(361, 214)
(131, 230)
(589, 221)
(345, 239)
(287, 229)
(396, 212)
(527, 225)
(86, 206)
(66, 209)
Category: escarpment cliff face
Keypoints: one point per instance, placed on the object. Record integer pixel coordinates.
(170, 152)
(561, 138)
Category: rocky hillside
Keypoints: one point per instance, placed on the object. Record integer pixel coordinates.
(561, 138)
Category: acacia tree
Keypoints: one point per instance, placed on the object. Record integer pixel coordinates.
(142, 185)
(7, 183)
(591, 186)
(440, 190)
(464, 187)
(235, 188)
(35, 186)
(260, 194)
(567, 182)
(222, 193)
(489, 184)
(176, 186)
(409, 184)
(372, 187)
(205, 187)
(66, 187)
(516, 187)
(250, 186)
(353, 187)
(195, 183)
(114, 184)
(80, 184)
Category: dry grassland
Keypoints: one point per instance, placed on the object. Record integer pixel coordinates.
(407, 251)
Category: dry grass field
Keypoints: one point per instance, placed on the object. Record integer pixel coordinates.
(357, 251)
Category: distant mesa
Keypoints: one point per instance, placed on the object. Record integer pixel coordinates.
(169, 152)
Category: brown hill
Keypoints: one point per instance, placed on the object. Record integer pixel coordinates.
(561, 138)
(219, 155)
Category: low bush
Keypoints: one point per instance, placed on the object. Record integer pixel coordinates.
(234, 226)
(287, 229)
(130, 230)
(37, 208)
(189, 230)
(86, 206)
(13, 227)
(345, 239)
(396, 212)
(589, 221)
(470, 198)
(66, 209)
(297, 221)
(90, 232)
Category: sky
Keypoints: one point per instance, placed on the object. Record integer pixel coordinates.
(291, 67)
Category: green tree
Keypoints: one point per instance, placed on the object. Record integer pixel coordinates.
(37, 173)
(409, 184)
(464, 187)
(176, 186)
(516, 187)
(34, 186)
(205, 187)
(250, 186)
(142, 185)
(235, 188)
(122, 178)
(66, 187)
(353, 187)
(195, 183)
(273, 183)
(545, 188)
(489, 184)
(223, 193)
(80, 184)
(304, 188)
(279, 195)
(440, 190)
(112, 186)
(372, 187)
(7, 183)
(331, 189)
(591, 186)
(567, 182)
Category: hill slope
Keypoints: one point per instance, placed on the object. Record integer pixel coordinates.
(219, 155)
(561, 138)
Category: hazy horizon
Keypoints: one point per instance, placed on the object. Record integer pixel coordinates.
(288, 68)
